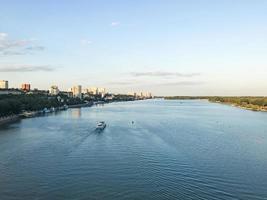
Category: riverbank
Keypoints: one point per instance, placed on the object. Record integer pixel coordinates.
(9, 119)
(258, 104)
(30, 114)
(246, 107)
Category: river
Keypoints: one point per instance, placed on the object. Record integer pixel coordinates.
(189, 149)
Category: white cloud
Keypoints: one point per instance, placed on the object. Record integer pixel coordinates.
(26, 68)
(86, 42)
(115, 23)
(162, 74)
(3, 36)
(17, 47)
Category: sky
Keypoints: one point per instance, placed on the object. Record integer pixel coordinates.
(167, 47)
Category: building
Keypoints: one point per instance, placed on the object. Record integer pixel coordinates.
(77, 91)
(3, 84)
(95, 91)
(101, 91)
(92, 90)
(54, 90)
(26, 87)
(67, 93)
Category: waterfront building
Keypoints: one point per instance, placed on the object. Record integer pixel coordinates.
(66, 93)
(109, 97)
(77, 91)
(54, 90)
(26, 87)
(3, 84)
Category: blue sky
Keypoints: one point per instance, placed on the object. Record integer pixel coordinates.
(168, 47)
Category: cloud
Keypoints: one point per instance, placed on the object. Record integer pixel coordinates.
(121, 83)
(17, 47)
(181, 83)
(27, 68)
(163, 74)
(155, 84)
(11, 53)
(35, 48)
(86, 42)
(115, 23)
(3, 36)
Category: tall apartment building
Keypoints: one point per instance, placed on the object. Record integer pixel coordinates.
(92, 90)
(102, 91)
(54, 90)
(96, 91)
(77, 91)
(3, 84)
(26, 87)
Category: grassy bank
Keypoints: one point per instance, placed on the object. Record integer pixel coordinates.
(250, 103)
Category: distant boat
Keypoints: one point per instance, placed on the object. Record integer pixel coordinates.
(101, 126)
(45, 110)
(29, 114)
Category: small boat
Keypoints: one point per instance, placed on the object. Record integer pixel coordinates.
(101, 126)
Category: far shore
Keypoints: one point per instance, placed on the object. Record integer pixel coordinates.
(247, 107)
(247, 103)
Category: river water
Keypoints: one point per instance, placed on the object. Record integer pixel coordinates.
(173, 150)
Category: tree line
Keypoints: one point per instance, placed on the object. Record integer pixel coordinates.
(241, 101)
(14, 104)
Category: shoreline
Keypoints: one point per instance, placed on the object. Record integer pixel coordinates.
(9, 119)
(249, 107)
(30, 114)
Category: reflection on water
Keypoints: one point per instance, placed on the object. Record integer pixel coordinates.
(173, 150)
(76, 112)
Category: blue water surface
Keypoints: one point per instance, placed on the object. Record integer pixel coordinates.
(153, 149)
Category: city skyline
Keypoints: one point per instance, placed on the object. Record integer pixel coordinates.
(75, 90)
(166, 47)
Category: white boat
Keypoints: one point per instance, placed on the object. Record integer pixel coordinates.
(101, 126)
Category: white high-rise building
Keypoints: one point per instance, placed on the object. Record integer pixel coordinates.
(54, 90)
(77, 91)
(93, 90)
(3, 84)
(101, 91)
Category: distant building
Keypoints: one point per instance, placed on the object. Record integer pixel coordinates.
(3, 84)
(95, 91)
(102, 91)
(77, 91)
(67, 93)
(109, 97)
(26, 87)
(54, 90)
(92, 90)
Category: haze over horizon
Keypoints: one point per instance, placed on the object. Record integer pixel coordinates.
(166, 47)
